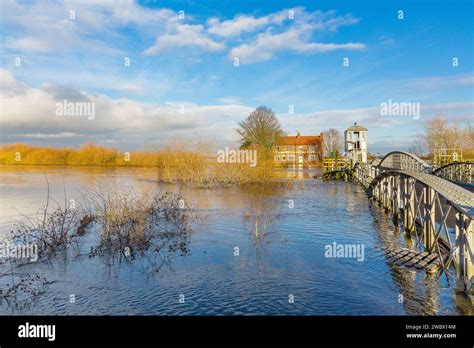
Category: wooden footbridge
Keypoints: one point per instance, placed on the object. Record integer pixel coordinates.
(457, 172)
(434, 209)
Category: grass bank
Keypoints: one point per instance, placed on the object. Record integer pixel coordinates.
(194, 163)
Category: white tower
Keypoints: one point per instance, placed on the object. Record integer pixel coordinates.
(355, 140)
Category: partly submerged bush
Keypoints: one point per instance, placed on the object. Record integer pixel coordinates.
(52, 229)
(133, 222)
(22, 286)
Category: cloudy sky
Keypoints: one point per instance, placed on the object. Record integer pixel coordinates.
(197, 68)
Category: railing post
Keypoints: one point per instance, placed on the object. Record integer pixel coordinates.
(389, 205)
(470, 173)
(379, 191)
(403, 198)
(429, 218)
(464, 232)
(397, 199)
(409, 204)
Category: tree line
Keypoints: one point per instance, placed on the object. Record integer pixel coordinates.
(438, 133)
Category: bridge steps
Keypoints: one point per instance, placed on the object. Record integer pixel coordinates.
(414, 260)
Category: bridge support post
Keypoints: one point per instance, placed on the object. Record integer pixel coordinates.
(397, 199)
(405, 201)
(388, 193)
(469, 174)
(409, 205)
(464, 232)
(380, 192)
(387, 199)
(429, 218)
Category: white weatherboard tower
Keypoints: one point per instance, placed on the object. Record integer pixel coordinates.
(355, 140)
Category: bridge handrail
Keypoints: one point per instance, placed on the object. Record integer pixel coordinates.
(463, 202)
(451, 164)
(415, 157)
(398, 191)
(330, 164)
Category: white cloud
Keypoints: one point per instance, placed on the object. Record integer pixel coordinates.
(42, 26)
(267, 44)
(245, 23)
(329, 20)
(296, 37)
(439, 82)
(229, 100)
(30, 113)
(185, 36)
(236, 26)
(370, 117)
(48, 136)
(32, 44)
(97, 26)
(297, 16)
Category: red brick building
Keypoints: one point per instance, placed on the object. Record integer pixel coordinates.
(299, 149)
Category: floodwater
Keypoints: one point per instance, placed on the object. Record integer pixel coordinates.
(228, 267)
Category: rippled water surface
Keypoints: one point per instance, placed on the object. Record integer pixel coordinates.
(300, 217)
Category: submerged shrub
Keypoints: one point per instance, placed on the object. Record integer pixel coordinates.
(133, 222)
(23, 285)
(51, 230)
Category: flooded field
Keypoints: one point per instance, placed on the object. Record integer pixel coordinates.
(252, 250)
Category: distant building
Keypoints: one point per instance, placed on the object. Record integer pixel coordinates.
(355, 140)
(299, 149)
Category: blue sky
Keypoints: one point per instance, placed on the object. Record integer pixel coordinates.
(182, 82)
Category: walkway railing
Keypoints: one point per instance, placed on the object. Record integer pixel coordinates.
(333, 164)
(438, 213)
(458, 172)
(404, 161)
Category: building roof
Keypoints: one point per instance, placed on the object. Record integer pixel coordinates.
(356, 128)
(300, 140)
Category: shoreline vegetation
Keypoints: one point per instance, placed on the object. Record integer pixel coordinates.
(193, 162)
(181, 163)
(126, 224)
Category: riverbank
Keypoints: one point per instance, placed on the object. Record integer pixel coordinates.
(191, 164)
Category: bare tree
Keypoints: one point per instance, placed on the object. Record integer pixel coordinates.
(333, 141)
(470, 133)
(261, 128)
(418, 146)
(438, 133)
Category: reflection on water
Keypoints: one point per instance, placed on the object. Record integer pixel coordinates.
(250, 249)
(262, 208)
